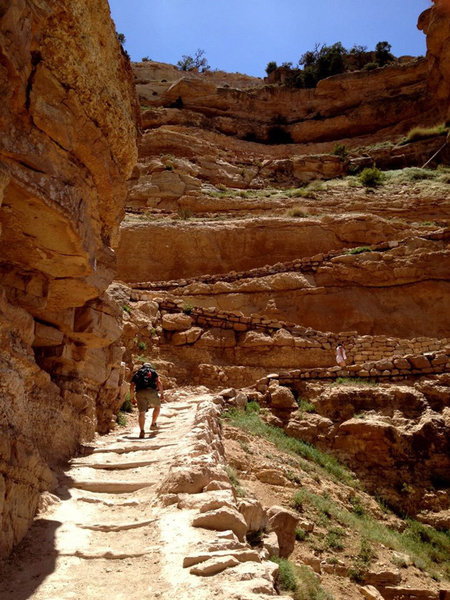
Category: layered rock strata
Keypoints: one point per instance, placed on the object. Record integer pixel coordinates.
(435, 23)
(67, 146)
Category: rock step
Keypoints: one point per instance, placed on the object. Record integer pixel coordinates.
(115, 466)
(111, 487)
(121, 527)
(240, 555)
(105, 554)
(138, 447)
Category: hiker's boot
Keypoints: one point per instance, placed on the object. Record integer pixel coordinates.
(142, 434)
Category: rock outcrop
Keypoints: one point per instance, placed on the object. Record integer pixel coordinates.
(67, 147)
(435, 23)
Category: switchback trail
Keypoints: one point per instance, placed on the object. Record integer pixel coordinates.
(101, 537)
(146, 519)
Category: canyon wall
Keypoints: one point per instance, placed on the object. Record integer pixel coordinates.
(435, 23)
(67, 146)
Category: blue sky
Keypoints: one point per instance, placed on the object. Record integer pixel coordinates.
(244, 35)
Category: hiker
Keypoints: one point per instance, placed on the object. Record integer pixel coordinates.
(341, 355)
(147, 384)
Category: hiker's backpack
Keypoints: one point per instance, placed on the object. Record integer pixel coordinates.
(146, 378)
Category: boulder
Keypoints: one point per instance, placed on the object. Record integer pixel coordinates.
(254, 514)
(222, 519)
(283, 522)
(281, 397)
(176, 322)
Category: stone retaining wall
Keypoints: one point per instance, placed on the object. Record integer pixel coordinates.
(303, 265)
(397, 369)
(360, 349)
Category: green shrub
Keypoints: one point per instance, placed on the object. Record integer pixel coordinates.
(366, 554)
(371, 66)
(142, 345)
(297, 212)
(286, 578)
(121, 419)
(353, 381)
(305, 406)
(359, 250)
(340, 150)
(127, 308)
(357, 507)
(252, 407)
(422, 133)
(187, 308)
(302, 193)
(383, 53)
(271, 67)
(371, 177)
(232, 475)
(198, 61)
(333, 539)
(356, 573)
(253, 424)
(184, 214)
(308, 586)
(300, 534)
(127, 406)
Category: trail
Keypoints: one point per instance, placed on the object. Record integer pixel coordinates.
(103, 537)
(121, 523)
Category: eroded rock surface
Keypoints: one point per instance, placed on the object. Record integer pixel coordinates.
(67, 146)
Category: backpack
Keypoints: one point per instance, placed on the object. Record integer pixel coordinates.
(146, 378)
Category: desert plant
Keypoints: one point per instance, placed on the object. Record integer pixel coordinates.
(370, 66)
(333, 539)
(252, 423)
(300, 534)
(187, 308)
(305, 406)
(184, 214)
(353, 381)
(121, 419)
(422, 133)
(371, 177)
(340, 150)
(197, 61)
(234, 479)
(297, 213)
(357, 507)
(383, 53)
(127, 308)
(142, 346)
(359, 250)
(127, 406)
(271, 67)
(308, 586)
(286, 578)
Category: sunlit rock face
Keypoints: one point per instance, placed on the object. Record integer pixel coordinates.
(67, 147)
(435, 23)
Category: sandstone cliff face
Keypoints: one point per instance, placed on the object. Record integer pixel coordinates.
(67, 146)
(435, 23)
(344, 106)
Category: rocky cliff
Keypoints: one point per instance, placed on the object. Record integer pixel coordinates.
(67, 146)
(435, 23)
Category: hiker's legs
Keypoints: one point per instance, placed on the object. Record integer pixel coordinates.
(142, 420)
(156, 412)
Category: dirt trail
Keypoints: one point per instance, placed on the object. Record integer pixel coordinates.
(105, 536)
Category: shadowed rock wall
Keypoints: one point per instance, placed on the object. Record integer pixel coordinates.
(67, 146)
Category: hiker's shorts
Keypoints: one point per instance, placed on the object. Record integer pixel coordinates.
(146, 399)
